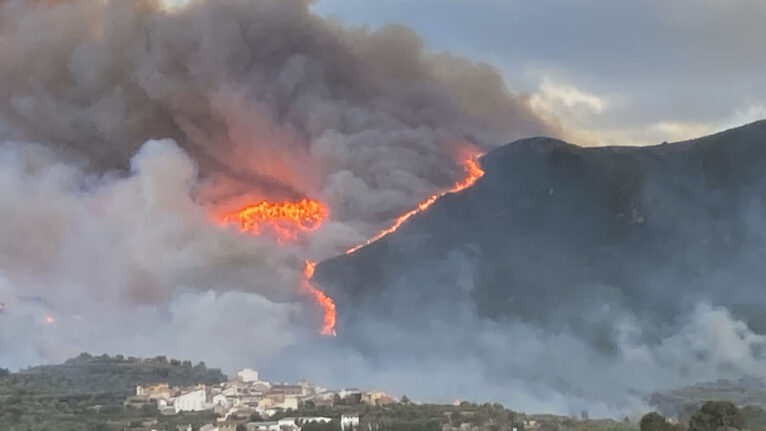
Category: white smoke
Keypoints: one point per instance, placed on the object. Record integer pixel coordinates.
(131, 262)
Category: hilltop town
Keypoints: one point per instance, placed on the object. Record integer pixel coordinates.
(115, 393)
(250, 401)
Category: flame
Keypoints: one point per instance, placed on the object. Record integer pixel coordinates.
(324, 301)
(286, 220)
(472, 173)
(49, 319)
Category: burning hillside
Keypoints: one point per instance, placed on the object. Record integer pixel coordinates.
(599, 273)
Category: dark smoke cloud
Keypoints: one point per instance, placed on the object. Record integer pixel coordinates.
(123, 125)
(263, 95)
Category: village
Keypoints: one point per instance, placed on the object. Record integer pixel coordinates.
(248, 403)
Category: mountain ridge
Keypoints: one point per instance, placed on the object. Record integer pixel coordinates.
(607, 250)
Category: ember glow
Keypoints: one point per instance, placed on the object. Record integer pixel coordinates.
(285, 220)
(473, 172)
(324, 301)
(49, 319)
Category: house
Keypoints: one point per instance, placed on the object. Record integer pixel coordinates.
(345, 392)
(288, 424)
(376, 398)
(289, 403)
(349, 422)
(263, 426)
(248, 375)
(309, 419)
(221, 400)
(193, 401)
(219, 427)
(154, 392)
(260, 387)
(283, 389)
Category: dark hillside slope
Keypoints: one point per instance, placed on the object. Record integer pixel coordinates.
(581, 241)
(551, 222)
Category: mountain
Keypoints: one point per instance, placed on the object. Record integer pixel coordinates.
(622, 248)
(550, 216)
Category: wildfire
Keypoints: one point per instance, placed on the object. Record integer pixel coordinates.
(473, 172)
(286, 220)
(324, 301)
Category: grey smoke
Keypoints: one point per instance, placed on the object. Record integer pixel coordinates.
(124, 127)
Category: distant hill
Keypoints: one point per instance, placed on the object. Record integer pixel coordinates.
(98, 374)
(87, 393)
(745, 392)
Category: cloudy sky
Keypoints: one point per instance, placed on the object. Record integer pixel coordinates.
(613, 72)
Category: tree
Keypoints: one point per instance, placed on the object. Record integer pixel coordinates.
(713, 415)
(4, 372)
(653, 421)
(405, 400)
(241, 427)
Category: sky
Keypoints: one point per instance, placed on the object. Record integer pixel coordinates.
(611, 72)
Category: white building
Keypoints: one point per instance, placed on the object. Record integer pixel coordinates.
(288, 424)
(309, 419)
(349, 422)
(248, 375)
(345, 392)
(194, 401)
(263, 426)
(221, 400)
(290, 403)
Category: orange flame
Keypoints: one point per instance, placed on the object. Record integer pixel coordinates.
(324, 301)
(285, 219)
(473, 172)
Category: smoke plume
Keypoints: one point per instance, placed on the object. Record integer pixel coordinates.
(127, 126)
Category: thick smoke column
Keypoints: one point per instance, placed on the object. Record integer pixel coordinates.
(127, 128)
(266, 97)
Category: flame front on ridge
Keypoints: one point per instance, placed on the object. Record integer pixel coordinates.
(473, 172)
